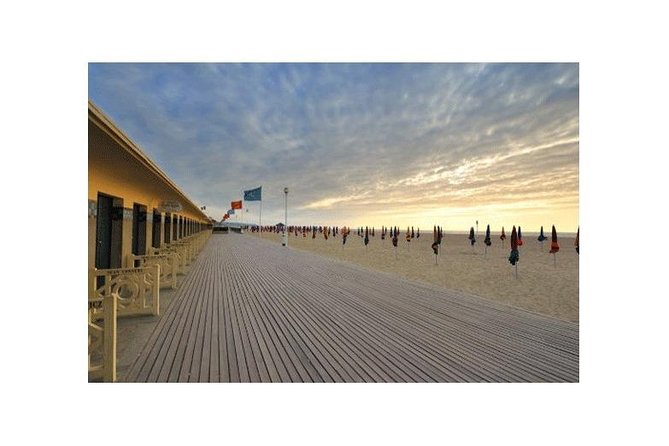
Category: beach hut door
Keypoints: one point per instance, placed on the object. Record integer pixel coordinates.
(103, 233)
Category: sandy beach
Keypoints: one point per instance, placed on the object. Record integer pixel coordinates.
(541, 287)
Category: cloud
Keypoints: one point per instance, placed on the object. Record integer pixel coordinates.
(353, 137)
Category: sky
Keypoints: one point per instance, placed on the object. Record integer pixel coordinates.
(360, 144)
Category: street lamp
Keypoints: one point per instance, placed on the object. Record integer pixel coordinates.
(285, 221)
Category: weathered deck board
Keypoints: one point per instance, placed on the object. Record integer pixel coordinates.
(253, 311)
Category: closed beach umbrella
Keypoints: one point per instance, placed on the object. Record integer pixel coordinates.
(514, 256)
(472, 237)
(366, 236)
(554, 242)
(487, 241)
(418, 233)
(541, 238)
(372, 231)
(520, 237)
(503, 236)
(408, 239)
(412, 233)
(576, 241)
(554, 245)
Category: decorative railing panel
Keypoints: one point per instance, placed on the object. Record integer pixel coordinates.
(169, 266)
(137, 289)
(102, 338)
(173, 250)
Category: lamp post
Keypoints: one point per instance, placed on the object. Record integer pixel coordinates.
(285, 220)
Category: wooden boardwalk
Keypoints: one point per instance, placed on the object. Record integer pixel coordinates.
(254, 311)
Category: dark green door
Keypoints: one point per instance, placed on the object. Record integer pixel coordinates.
(168, 228)
(103, 233)
(156, 229)
(138, 229)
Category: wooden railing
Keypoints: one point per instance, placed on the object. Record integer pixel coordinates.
(137, 289)
(186, 249)
(102, 338)
(169, 266)
(176, 252)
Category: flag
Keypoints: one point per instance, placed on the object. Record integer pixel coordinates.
(236, 204)
(231, 212)
(253, 194)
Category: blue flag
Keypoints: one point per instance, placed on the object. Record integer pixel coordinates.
(253, 194)
(231, 212)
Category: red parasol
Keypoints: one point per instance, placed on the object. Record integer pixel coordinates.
(554, 242)
(554, 245)
(514, 257)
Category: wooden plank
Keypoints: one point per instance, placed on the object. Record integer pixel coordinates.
(240, 372)
(255, 360)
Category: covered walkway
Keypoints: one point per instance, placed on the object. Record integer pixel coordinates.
(253, 311)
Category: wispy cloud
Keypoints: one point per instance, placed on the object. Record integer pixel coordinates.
(354, 140)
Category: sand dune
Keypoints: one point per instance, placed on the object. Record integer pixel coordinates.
(541, 287)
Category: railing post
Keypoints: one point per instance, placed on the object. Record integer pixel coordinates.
(174, 270)
(156, 291)
(110, 305)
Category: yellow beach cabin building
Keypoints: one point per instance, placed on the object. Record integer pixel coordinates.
(143, 232)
